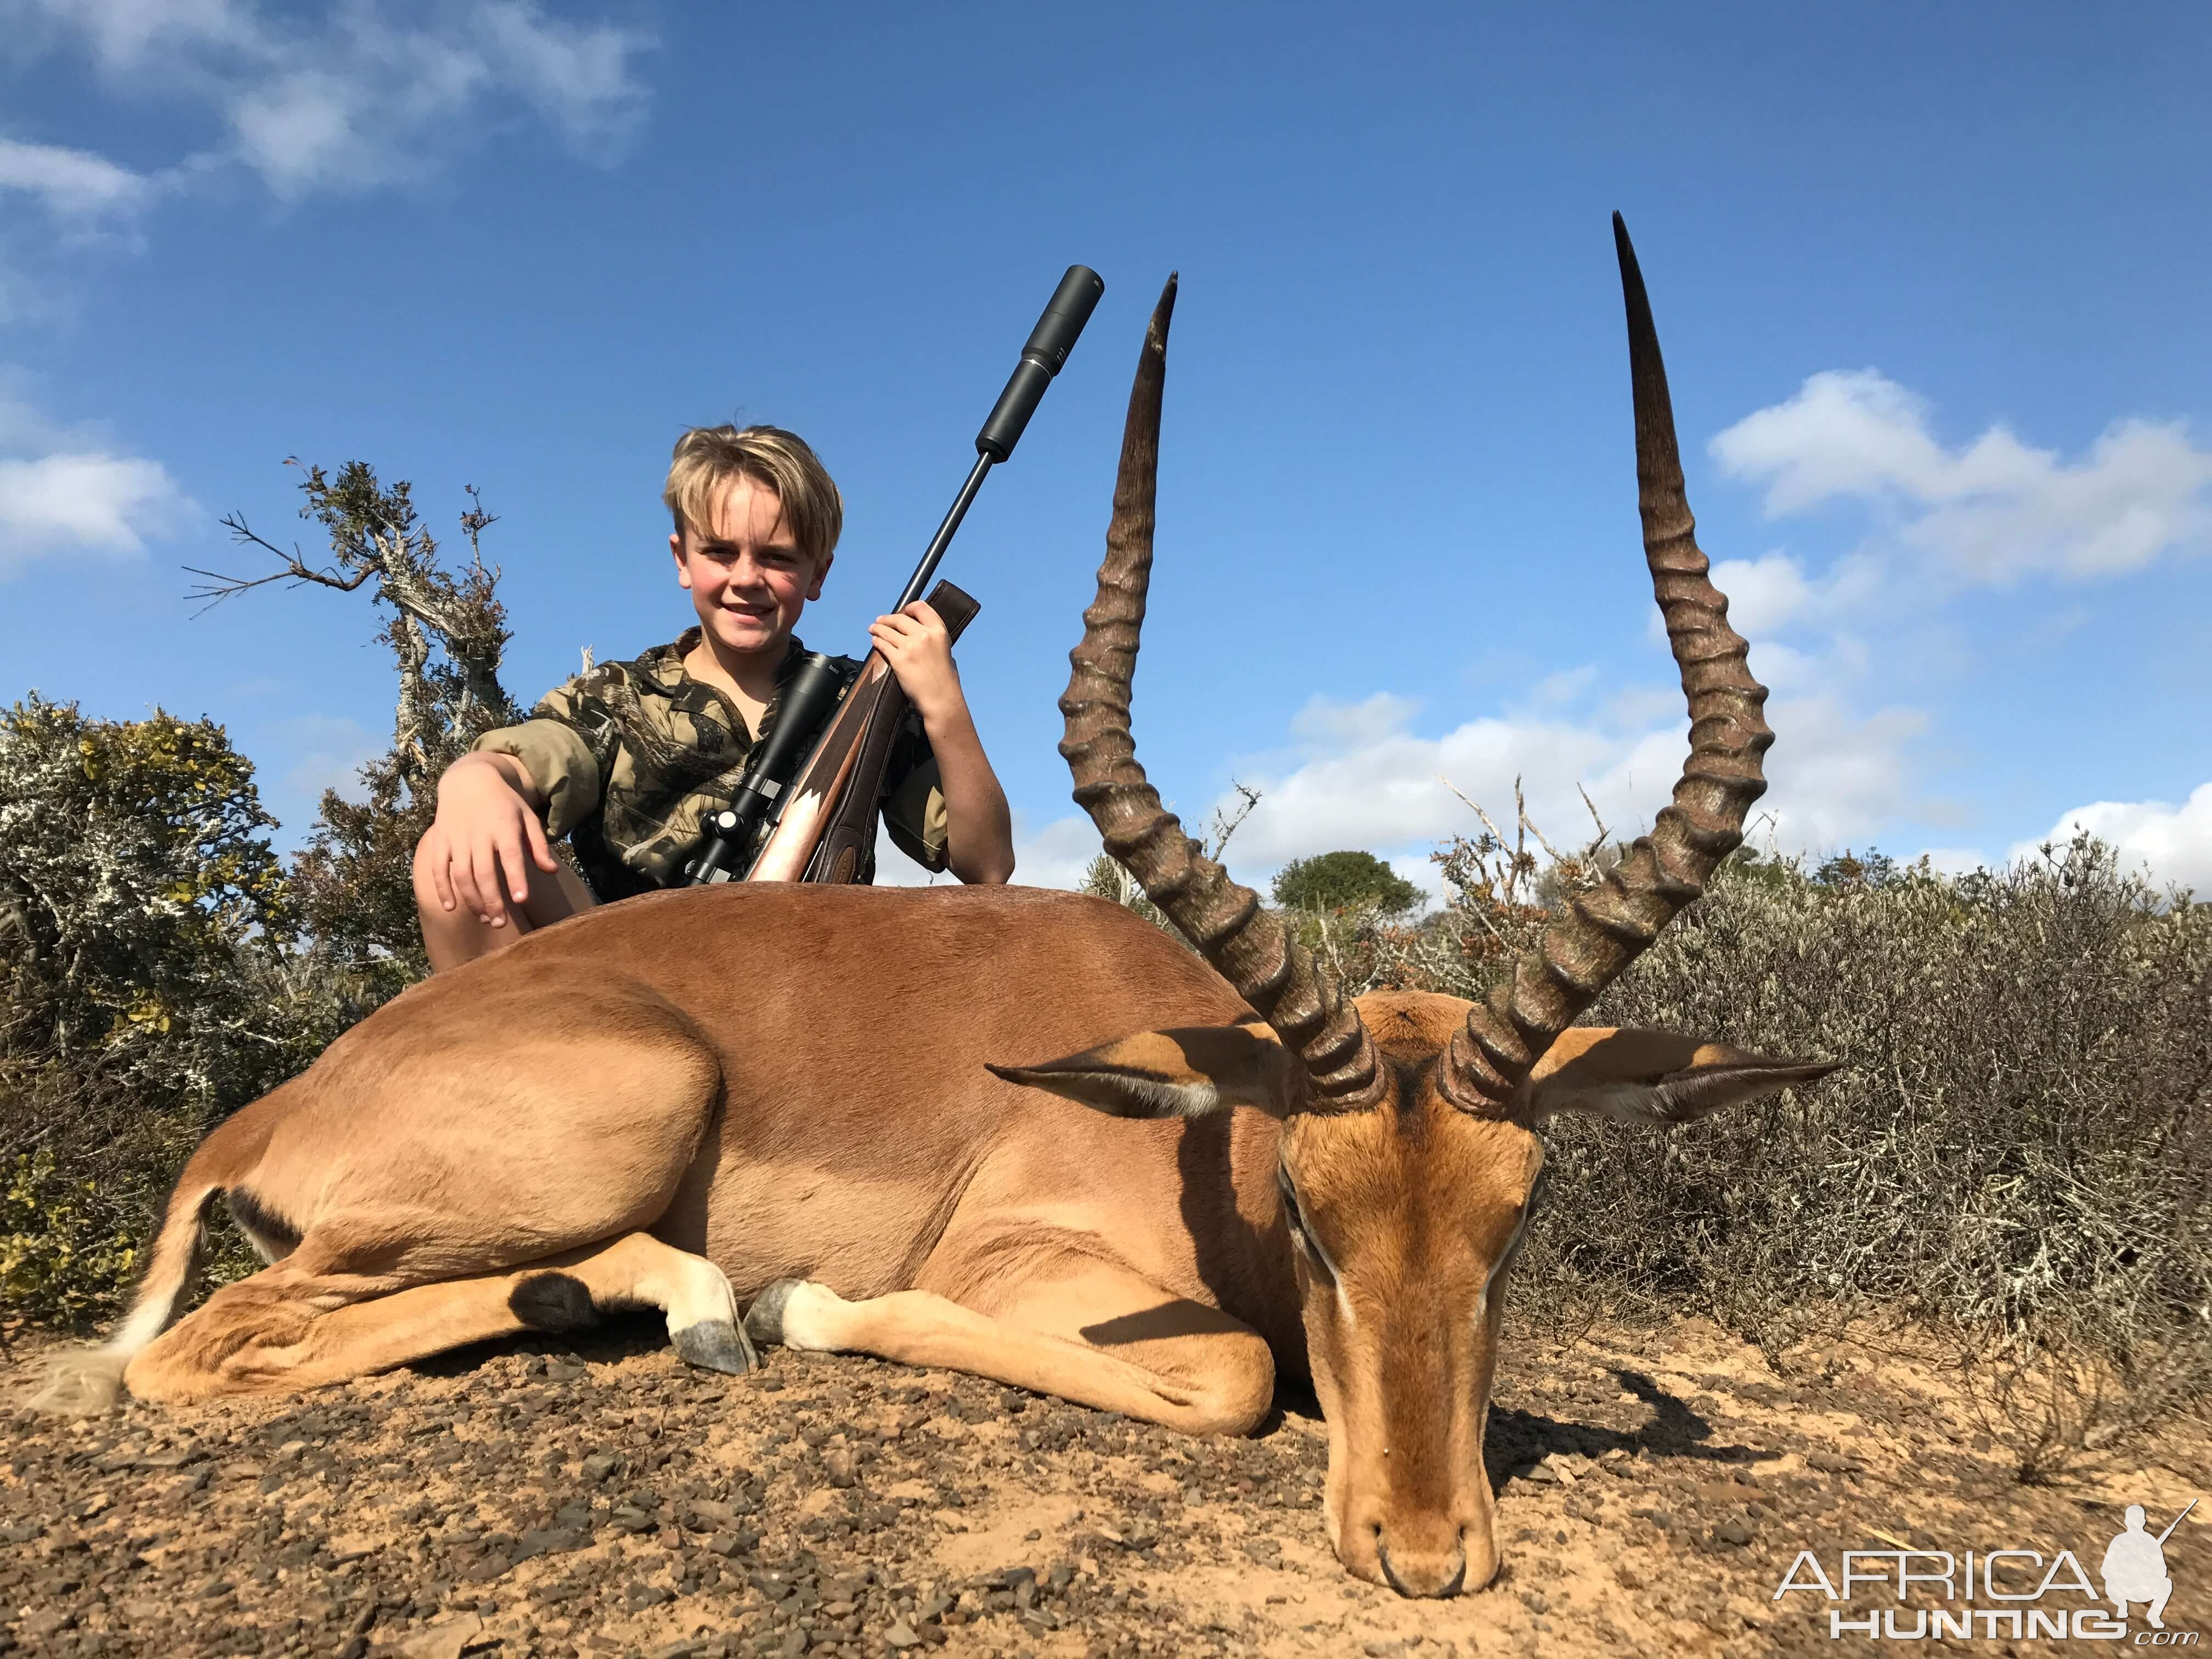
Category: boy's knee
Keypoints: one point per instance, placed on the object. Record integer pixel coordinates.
(426, 886)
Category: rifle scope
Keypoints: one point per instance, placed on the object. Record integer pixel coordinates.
(802, 709)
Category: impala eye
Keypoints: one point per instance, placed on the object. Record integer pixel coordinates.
(1536, 1190)
(1295, 1215)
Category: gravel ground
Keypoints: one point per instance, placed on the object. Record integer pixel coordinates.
(599, 1498)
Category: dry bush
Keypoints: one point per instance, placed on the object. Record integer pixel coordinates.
(2020, 1153)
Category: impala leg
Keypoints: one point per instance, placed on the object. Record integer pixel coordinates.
(419, 1197)
(1100, 1336)
(283, 1329)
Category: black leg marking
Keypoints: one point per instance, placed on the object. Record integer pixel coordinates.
(553, 1302)
(764, 1319)
(269, 1233)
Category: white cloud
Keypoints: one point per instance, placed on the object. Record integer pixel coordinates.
(577, 76)
(67, 490)
(1836, 778)
(99, 503)
(1365, 780)
(75, 186)
(344, 100)
(1054, 855)
(1987, 513)
(2174, 843)
(1766, 595)
(124, 35)
(1954, 860)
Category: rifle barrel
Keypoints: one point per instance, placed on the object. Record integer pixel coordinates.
(1043, 353)
(943, 539)
(2176, 1521)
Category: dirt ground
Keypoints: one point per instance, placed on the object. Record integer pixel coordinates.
(597, 1497)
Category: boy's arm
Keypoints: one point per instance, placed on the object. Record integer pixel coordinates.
(979, 826)
(487, 833)
(500, 805)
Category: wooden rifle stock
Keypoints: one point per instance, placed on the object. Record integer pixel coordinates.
(828, 820)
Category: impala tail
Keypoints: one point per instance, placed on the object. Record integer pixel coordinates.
(85, 1381)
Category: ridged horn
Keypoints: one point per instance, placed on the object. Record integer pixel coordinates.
(1609, 927)
(1246, 946)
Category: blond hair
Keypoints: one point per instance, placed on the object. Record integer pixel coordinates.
(707, 457)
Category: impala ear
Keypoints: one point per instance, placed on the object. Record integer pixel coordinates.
(1189, 1072)
(1653, 1076)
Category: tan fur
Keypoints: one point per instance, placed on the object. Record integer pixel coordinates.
(793, 1083)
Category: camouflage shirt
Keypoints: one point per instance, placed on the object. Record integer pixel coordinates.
(631, 755)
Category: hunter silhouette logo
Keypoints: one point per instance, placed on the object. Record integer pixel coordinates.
(2135, 1567)
(1908, 1593)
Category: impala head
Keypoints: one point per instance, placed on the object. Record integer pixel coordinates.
(1410, 1160)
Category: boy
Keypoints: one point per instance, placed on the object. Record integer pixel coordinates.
(625, 760)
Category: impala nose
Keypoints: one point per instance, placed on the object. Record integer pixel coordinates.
(1422, 1572)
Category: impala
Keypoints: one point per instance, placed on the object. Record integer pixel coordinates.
(841, 1106)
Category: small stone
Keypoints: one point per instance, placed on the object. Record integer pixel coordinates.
(175, 1458)
(552, 1541)
(443, 1640)
(1734, 1530)
(901, 1635)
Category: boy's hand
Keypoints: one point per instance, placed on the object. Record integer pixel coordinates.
(485, 837)
(914, 641)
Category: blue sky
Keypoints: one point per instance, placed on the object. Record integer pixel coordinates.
(1929, 281)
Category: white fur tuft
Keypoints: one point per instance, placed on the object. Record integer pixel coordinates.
(88, 1381)
(81, 1383)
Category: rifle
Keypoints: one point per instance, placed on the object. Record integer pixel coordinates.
(814, 821)
(2176, 1521)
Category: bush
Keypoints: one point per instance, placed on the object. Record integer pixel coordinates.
(1345, 881)
(159, 968)
(2020, 1153)
(145, 987)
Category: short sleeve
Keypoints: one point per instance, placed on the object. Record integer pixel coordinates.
(913, 813)
(559, 762)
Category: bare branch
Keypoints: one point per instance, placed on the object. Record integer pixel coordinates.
(1225, 826)
(1604, 834)
(219, 587)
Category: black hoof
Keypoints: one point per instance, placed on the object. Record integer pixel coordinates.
(764, 1319)
(718, 1346)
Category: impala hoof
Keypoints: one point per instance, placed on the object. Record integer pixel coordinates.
(718, 1346)
(764, 1319)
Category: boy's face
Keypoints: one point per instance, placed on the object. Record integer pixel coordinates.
(749, 580)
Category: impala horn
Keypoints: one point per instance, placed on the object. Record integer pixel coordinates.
(1246, 946)
(1609, 927)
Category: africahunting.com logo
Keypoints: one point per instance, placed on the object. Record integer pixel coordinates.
(1907, 1595)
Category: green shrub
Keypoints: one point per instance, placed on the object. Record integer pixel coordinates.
(145, 985)
(1345, 881)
